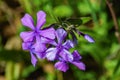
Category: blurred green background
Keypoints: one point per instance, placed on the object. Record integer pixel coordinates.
(102, 58)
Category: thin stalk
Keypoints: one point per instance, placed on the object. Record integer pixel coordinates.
(114, 20)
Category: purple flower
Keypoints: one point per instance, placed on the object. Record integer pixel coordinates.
(34, 55)
(36, 30)
(28, 46)
(87, 37)
(62, 64)
(36, 39)
(60, 49)
(37, 34)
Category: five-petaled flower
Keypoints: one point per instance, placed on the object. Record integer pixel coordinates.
(61, 53)
(39, 37)
(60, 49)
(62, 64)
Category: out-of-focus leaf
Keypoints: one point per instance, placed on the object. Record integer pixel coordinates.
(76, 22)
(63, 11)
(26, 72)
(83, 8)
(117, 67)
(115, 48)
(37, 3)
(15, 56)
(85, 19)
(26, 4)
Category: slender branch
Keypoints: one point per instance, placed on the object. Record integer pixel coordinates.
(114, 20)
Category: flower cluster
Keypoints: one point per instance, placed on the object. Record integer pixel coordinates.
(50, 43)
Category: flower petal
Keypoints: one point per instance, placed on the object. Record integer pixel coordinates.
(66, 55)
(68, 44)
(40, 19)
(28, 21)
(27, 36)
(61, 34)
(26, 45)
(47, 41)
(62, 66)
(41, 55)
(51, 54)
(76, 56)
(80, 65)
(88, 38)
(39, 47)
(48, 33)
(33, 59)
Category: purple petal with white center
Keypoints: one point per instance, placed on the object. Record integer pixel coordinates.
(51, 54)
(66, 55)
(88, 38)
(62, 66)
(48, 33)
(39, 47)
(33, 59)
(28, 21)
(61, 34)
(76, 56)
(68, 44)
(26, 45)
(40, 19)
(27, 36)
(80, 65)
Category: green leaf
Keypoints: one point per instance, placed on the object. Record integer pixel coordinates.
(26, 5)
(27, 70)
(117, 67)
(14, 55)
(63, 11)
(85, 19)
(76, 22)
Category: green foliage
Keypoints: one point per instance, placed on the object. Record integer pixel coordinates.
(90, 16)
(63, 11)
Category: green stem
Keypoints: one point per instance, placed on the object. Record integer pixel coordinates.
(9, 71)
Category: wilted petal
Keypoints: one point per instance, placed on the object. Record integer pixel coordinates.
(61, 34)
(40, 19)
(80, 65)
(33, 59)
(51, 54)
(68, 44)
(88, 38)
(66, 55)
(62, 66)
(27, 36)
(28, 21)
(76, 56)
(48, 33)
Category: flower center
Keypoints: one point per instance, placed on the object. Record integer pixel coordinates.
(36, 32)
